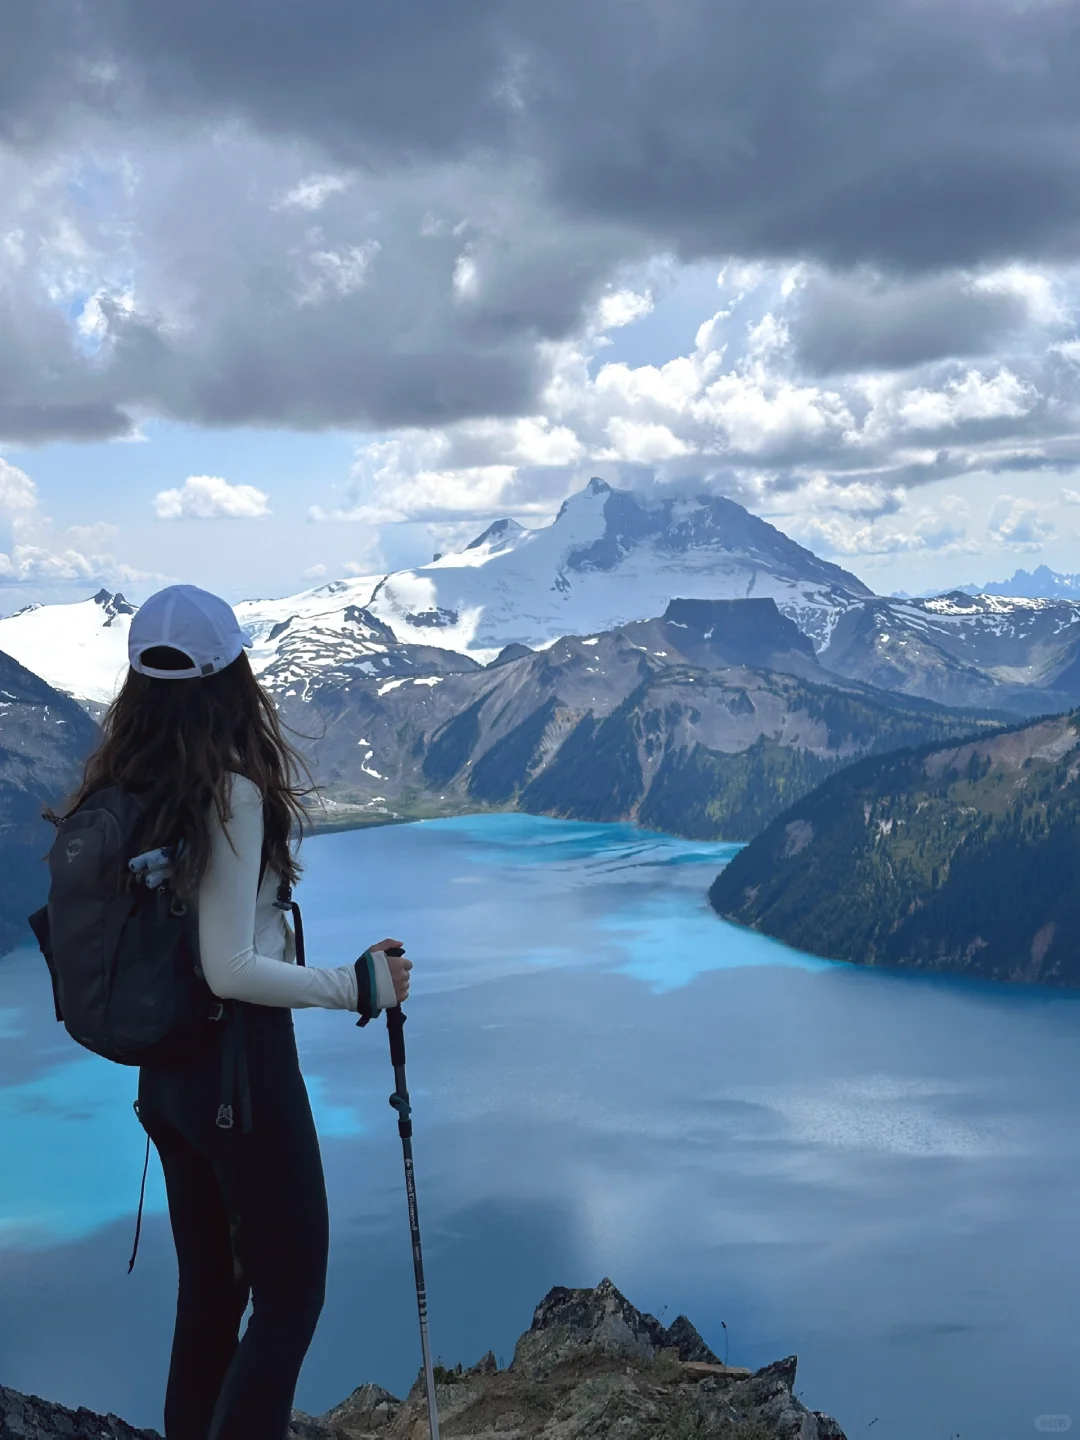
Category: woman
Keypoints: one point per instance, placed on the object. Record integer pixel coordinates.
(193, 733)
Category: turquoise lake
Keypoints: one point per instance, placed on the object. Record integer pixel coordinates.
(879, 1172)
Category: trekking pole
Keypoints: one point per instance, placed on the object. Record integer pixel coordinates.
(395, 1025)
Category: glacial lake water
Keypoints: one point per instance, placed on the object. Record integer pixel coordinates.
(878, 1172)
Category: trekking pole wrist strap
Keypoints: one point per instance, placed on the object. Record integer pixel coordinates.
(367, 987)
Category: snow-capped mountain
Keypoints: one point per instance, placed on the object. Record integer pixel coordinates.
(984, 650)
(608, 558)
(326, 637)
(81, 649)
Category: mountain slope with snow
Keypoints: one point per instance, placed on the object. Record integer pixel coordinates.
(610, 557)
(999, 652)
(79, 649)
(44, 738)
(325, 637)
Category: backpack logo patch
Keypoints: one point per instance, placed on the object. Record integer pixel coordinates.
(74, 848)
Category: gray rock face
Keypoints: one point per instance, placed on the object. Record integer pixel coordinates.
(601, 1321)
(26, 1417)
(1021, 655)
(703, 721)
(589, 1366)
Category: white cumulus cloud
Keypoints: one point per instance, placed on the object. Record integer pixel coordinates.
(312, 192)
(18, 493)
(209, 497)
(975, 397)
(1018, 523)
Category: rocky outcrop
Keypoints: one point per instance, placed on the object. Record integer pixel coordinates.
(589, 1366)
(25, 1417)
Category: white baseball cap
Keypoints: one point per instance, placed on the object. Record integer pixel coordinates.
(183, 617)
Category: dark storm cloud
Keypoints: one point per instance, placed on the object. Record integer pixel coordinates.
(908, 134)
(842, 325)
(911, 134)
(556, 142)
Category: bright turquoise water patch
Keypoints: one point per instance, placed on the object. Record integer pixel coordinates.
(648, 915)
(668, 948)
(80, 1150)
(333, 1121)
(75, 1152)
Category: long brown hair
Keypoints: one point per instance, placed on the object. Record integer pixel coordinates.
(174, 743)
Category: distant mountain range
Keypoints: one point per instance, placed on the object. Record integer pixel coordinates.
(703, 722)
(958, 857)
(610, 558)
(1042, 583)
(972, 650)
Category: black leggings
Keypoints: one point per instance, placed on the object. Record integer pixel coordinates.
(249, 1220)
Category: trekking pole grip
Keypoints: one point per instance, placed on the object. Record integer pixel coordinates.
(395, 1026)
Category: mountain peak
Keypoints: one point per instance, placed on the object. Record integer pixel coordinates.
(113, 605)
(596, 489)
(602, 1321)
(610, 557)
(1042, 583)
(499, 532)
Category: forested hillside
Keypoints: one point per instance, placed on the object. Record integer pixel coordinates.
(963, 857)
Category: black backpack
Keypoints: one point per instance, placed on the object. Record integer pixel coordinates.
(123, 954)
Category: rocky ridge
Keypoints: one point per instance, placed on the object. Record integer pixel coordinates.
(990, 651)
(705, 722)
(591, 1365)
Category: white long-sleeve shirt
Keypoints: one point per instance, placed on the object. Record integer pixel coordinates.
(246, 945)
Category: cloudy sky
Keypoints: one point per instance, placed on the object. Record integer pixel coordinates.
(324, 291)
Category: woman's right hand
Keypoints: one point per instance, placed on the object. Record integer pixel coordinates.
(399, 966)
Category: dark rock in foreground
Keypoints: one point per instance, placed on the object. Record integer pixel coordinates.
(589, 1366)
(25, 1417)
